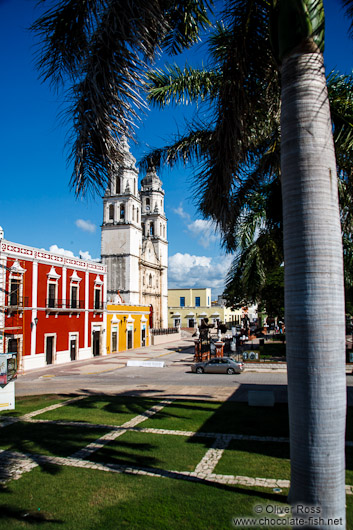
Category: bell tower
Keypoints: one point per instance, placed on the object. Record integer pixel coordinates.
(121, 229)
(154, 247)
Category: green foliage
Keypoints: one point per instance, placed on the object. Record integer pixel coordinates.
(296, 23)
(101, 50)
(181, 85)
(272, 294)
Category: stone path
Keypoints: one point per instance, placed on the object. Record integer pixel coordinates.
(13, 464)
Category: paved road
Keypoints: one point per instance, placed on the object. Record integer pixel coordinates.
(111, 375)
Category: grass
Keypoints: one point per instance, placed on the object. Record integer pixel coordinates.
(112, 410)
(69, 498)
(166, 452)
(228, 417)
(255, 459)
(27, 404)
(57, 440)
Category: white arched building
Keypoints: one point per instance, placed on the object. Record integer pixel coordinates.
(134, 244)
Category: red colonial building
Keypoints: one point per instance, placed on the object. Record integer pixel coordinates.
(51, 306)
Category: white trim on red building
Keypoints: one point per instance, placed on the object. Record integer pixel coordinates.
(48, 314)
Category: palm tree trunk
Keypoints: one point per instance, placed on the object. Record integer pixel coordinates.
(314, 295)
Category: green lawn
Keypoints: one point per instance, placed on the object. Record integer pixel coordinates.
(27, 404)
(111, 410)
(154, 450)
(255, 459)
(72, 499)
(58, 440)
(229, 417)
(53, 497)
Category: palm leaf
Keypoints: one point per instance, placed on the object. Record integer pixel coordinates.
(181, 86)
(103, 47)
(248, 99)
(192, 147)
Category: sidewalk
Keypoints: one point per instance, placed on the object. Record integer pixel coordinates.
(115, 360)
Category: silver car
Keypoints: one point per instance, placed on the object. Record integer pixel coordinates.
(218, 366)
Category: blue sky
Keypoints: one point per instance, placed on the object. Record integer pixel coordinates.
(37, 207)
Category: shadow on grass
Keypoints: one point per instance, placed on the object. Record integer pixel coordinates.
(26, 517)
(126, 454)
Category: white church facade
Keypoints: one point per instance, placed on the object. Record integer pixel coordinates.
(134, 244)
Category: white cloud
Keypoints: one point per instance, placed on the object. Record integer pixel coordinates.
(204, 231)
(83, 254)
(57, 250)
(180, 211)
(187, 271)
(86, 226)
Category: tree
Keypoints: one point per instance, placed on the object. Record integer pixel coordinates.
(258, 237)
(312, 235)
(247, 105)
(101, 49)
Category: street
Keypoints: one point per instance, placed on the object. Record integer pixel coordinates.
(111, 375)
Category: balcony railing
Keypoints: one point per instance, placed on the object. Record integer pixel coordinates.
(164, 331)
(59, 303)
(76, 304)
(55, 303)
(18, 301)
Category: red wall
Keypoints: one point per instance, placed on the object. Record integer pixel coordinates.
(61, 322)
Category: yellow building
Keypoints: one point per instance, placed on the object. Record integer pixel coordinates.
(127, 327)
(187, 307)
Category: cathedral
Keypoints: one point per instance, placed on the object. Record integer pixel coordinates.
(134, 244)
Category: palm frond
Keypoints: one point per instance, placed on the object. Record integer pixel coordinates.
(181, 85)
(340, 91)
(219, 43)
(185, 20)
(192, 147)
(248, 99)
(103, 48)
(64, 32)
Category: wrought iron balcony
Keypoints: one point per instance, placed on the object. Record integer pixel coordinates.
(60, 303)
(76, 304)
(15, 302)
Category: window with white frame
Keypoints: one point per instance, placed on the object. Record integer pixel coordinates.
(14, 291)
(97, 295)
(16, 284)
(74, 296)
(52, 288)
(114, 338)
(74, 290)
(52, 296)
